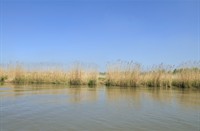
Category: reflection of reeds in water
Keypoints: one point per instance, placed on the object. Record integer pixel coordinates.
(73, 93)
(136, 96)
(190, 98)
(82, 93)
(184, 97)
(126, 94)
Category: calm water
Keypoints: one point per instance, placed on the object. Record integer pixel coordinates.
(62, 108)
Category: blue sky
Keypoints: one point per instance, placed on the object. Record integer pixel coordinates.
(148, 32)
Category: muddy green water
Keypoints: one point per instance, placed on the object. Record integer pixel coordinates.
(63, 108)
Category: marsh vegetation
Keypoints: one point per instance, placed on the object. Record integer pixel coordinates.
(120, 73)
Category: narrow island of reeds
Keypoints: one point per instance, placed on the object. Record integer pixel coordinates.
(123, 74)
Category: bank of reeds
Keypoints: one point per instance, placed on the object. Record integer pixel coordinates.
(158, 76)
(77, 75)
(123, 74)
(3, 75)
(186, 77)
(131, 74)
(126, 74)
(80, 75)
(22, 76)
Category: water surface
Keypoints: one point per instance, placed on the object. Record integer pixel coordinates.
(64, 108)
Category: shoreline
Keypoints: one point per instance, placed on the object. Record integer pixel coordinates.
(122, 74)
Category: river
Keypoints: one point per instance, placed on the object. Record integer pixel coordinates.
(83, 108)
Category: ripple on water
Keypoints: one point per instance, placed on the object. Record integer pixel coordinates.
(82, 108)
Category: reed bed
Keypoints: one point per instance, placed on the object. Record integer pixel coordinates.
(123, 74)
(77, 75)
(187, 77)
(21, 75)
(131, 74)
(120, 73)
(158, 76)
(83, 75)
(3, 75)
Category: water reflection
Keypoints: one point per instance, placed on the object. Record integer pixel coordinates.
(77, 94)
(123, 95)
(62, 107)
(82, 93)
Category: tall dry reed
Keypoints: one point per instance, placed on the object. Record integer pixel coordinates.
(158, 76)
(81, 74)
(186, 77)
(123, 74)
(77, 75)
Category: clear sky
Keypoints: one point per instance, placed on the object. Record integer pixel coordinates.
(98, 31)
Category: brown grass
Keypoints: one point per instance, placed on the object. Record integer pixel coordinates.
(75, 76)
(187, 77)
(128, 74)
(123, 74)
(158, 76)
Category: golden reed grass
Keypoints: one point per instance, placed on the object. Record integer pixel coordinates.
(77, 75)
(123, 74)
(131, 74)
(187, 77)
(157, 76)
(120, 73)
